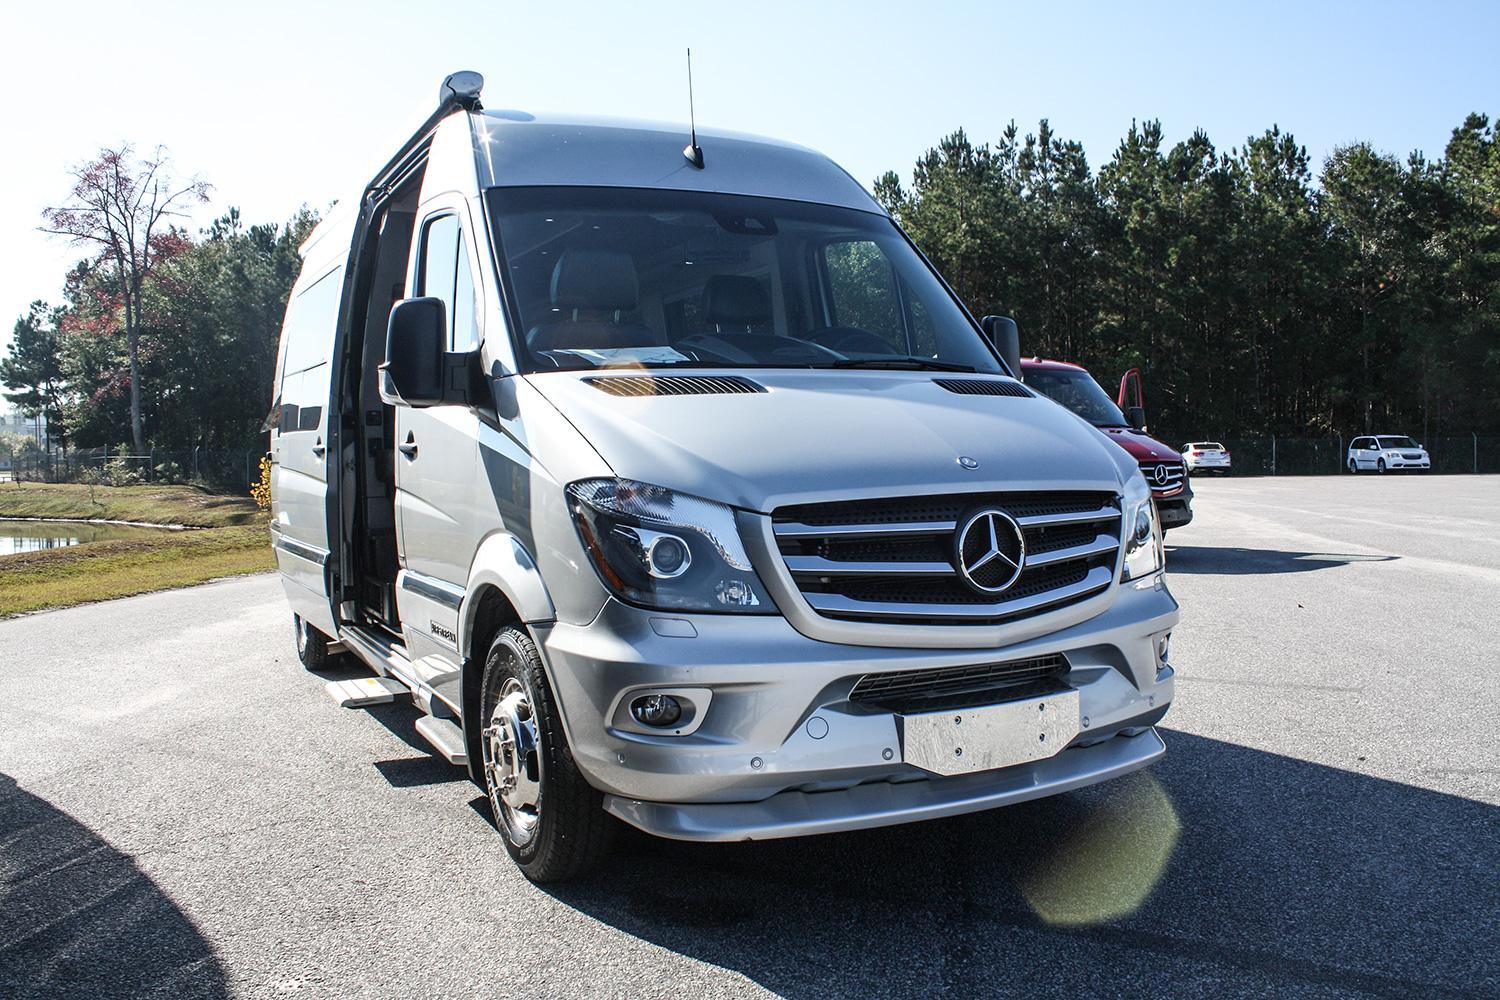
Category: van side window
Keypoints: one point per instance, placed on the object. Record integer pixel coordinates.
(311, 322)
(445, 275)
(311, 318)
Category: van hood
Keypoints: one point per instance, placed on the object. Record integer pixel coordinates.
(822, 435)
(1142, 447)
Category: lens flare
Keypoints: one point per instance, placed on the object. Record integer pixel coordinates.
(1108, 866)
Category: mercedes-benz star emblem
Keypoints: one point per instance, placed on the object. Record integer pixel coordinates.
(990, 550)
(1161, 474)
(967, 462)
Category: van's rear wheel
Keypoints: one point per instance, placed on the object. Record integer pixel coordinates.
(1353, 467)
(553, 821)
(312, 645)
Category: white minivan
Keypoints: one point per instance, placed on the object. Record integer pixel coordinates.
(675, 488)
(1386, 453)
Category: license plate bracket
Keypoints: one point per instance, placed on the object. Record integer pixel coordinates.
(966, 740)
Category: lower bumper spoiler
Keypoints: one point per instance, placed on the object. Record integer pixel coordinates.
(798, 814)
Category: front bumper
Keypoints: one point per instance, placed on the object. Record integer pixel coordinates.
(1174, 512)
(798, 814)
(775, 748)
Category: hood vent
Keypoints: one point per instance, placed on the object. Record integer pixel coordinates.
(674, 385)
(984, 387)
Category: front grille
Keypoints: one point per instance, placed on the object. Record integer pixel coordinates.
(1166, 482)
(908, 691)
(984, 387)
(893, 560)
(674, 385)
(1412, 458)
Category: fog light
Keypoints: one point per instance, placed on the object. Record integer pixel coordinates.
(659, 710)
(1164, 646)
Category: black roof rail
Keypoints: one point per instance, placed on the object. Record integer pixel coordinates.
(459, 91)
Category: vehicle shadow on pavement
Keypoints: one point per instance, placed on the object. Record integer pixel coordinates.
(1222, 870)
(1231, 561)
(79, 919)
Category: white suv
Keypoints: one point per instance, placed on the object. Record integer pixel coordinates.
(1386, 453)
(1203, 456)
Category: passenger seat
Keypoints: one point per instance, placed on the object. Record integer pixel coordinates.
(735, 303)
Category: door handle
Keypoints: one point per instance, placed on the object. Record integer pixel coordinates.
(409, 446)
(318, 448)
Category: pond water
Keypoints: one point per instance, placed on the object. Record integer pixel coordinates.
(33, 536)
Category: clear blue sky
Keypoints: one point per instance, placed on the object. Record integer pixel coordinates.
(280, 103)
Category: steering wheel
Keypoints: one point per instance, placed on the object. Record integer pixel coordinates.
(850, 340)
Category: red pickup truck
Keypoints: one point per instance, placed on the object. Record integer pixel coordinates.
(1073, 387)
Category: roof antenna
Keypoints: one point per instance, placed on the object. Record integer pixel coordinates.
(692, 150)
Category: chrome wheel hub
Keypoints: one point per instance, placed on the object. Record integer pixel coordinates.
(513, 764)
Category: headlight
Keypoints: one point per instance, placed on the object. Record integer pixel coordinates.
(1143, 552)
(662, 549)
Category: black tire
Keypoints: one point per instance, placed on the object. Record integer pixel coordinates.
(1380, 466)
(312, 646)
(567, 832)
(1353, 467)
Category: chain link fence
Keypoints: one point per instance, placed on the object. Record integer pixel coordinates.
(232, 469)
(1298, 456)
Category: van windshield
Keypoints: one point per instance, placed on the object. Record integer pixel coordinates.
(1396, 442)
(1078, 392)
(622, 277)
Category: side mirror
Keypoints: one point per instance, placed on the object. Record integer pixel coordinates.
(1136, 417)
(418, 371)
(1006, 336)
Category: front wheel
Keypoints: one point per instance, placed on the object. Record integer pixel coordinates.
(553, 821)
(1380, 466)
(312, 646)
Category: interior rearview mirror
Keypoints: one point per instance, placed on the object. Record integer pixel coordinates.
(418, 370)
(1006, 336)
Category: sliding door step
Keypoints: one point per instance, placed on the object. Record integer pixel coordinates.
(444, 735)
(362, 691)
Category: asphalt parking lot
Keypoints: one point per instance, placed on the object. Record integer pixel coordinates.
(184, 813)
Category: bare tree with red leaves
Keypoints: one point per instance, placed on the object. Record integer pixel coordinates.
(124, 208)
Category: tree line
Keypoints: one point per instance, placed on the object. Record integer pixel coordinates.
(1256, 299)
(163, 338)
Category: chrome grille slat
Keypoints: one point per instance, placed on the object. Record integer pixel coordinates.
(1100, 545)
(1081, 517)
(817, 565)
(791, 529)
(1096, 579)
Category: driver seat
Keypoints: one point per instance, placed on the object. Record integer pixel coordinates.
(591, 288)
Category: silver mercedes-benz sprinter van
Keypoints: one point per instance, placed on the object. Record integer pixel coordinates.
(675, 487)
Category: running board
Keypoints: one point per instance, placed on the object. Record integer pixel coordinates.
(363, 691)
(388, 657)
(446, 737)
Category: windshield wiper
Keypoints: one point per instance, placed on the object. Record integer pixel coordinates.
(929, 364)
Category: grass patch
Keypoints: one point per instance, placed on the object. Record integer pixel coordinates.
(234, 541)
(148, 504)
